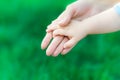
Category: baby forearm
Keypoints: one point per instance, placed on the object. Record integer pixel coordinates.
(105, 22)
(103, 1)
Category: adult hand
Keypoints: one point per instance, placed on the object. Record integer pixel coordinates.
(78, 10)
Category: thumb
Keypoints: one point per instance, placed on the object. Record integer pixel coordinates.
(71, 43)
(65, 51)
(52, 27)
(66, 16)
(59, 32)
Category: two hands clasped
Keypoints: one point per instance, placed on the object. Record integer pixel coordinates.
(80, 19)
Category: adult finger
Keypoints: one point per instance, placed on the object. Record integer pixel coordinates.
(52, 26)
(46, 40)
(60, 48)
(59, 32)
(66, 16)
(62, 20)
(52, 47)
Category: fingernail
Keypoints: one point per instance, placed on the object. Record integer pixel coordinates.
(43, 47)
(63, 53)
(54, 55)
(48, 53)
(62, 21)
(48, 30)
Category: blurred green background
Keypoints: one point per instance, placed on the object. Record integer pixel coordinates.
(22, 28)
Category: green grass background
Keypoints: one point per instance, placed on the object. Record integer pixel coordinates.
(22, 28)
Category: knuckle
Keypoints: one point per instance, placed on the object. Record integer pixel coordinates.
(54, 33)
(53, 22)
(69, 7)
(48, 26)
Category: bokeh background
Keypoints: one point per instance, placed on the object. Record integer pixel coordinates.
(22, 28)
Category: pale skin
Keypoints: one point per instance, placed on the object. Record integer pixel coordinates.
(76, 11)
(105, 22)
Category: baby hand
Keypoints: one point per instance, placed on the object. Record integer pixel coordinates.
(75, 31)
